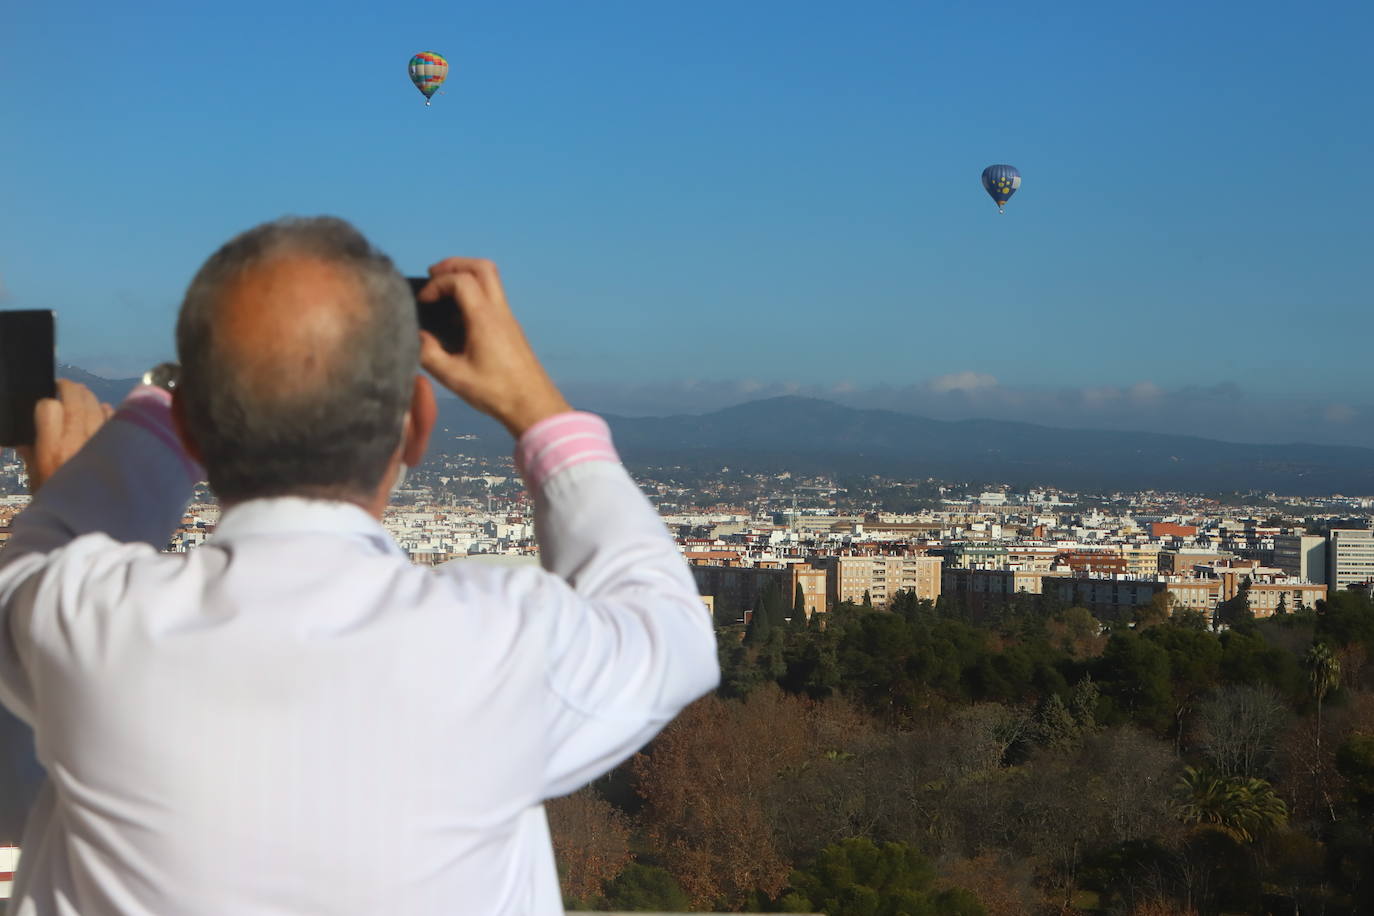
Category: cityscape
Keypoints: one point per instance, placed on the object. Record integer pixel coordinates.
(977, 359)
(832, 595)
(836, 542)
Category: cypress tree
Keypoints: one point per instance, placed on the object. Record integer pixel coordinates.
(799, 610)
(760, 625)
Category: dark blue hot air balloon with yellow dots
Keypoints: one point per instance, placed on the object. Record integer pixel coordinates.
(1001, 181)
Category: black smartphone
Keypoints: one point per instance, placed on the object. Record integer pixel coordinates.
(28, 371)
(443, 318)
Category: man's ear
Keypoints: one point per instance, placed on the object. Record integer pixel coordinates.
(183, 431)
(420, 420)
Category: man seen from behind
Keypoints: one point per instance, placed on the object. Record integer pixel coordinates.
(292, 718)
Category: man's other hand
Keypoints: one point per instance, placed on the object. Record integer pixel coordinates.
(63, 425)
(497, 371)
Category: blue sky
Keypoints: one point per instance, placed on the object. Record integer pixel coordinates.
(696, 203)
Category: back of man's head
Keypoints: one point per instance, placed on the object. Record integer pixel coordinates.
(299, 347)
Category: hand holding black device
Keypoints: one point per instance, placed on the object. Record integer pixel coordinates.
(443, 318)
(28, 371)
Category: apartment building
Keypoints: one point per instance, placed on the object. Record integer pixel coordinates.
(740, 588)
(1349, 557)
(1181, 562)
(1301, 556)
(982, 582)
(1265, 596)
(882, 577)
(1141, 559)
(1106, 596)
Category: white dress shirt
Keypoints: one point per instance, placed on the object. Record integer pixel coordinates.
(293, 719)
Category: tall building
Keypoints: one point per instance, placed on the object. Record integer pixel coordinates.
(1302, 556)
(737, 588)
(1349, 557)
(1141, 559)
(977, 584)
(882, 577)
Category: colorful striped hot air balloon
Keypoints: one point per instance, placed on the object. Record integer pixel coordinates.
(428, 71)
(1001, 181)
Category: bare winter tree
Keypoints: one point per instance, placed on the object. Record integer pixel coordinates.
(591, 841)
(1238, 728)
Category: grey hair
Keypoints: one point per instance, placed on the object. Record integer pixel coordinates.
(336, 438)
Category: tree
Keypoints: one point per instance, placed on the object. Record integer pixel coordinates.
(1238, 728)
(1114, 787)
(591, 842)
(855, 877)
(868, 598)
(776, 603)
(1323, 676)
(799, 610)
(738, 673)
(1346, 617)
(1158, 611)
(1239, 808)
(1004, 885)
(646, 887)
(1134, 673)
(1282, 607)
(1054, 725)
(1235, 611)
(1076, 632)
(760, 625)
(1355, 762)
(706, 781)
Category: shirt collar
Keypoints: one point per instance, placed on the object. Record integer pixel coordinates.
(293, 515)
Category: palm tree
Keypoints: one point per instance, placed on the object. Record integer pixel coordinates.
(1323, 676)
(1239, 807)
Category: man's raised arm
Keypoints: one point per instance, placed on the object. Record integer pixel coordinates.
(631, 643)
(128, 478)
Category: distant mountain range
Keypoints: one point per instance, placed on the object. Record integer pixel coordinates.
(811, 435)
(792, 430)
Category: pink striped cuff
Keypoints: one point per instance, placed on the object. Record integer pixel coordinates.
(150, 408)
(561, 441)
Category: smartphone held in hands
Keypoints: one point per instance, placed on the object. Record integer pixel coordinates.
(443, 318)
(28, 371)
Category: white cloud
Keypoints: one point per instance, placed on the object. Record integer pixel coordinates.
(1097, 397)
(962, 381)
(1339, 413)
(1146, 392)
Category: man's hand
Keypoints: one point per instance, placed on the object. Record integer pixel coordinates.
(63, 424)
(497, 372)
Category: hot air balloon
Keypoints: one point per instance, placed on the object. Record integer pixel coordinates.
(428, 71)
(1001, 181)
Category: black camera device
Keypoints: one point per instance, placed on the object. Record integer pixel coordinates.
(443, 318)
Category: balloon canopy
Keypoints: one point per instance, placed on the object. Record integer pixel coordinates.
(428, 71)
(1001, 181)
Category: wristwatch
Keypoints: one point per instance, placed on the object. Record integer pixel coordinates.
(164, 376)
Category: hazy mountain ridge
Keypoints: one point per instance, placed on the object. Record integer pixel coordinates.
(813, 435)
(887, 442)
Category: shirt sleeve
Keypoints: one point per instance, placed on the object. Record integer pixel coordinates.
(130, 482)
(631, 643)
